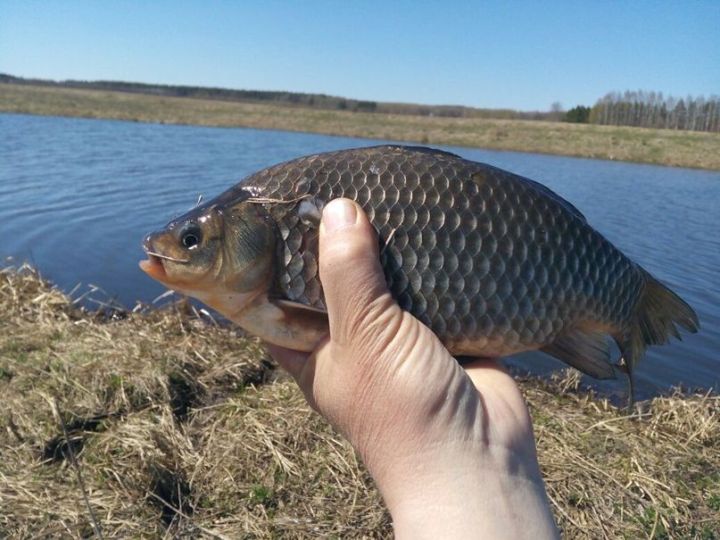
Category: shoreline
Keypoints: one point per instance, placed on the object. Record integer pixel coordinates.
(183, 427)
(699, 150)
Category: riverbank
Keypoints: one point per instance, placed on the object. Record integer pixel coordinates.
(160, 422)
(661, 147)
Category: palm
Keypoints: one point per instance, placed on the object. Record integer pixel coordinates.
(402, 389)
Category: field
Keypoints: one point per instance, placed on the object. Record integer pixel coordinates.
(662, 147)
(161, 424)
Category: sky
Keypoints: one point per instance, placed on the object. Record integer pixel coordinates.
(522, 55)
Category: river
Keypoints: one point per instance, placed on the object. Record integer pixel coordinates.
(77, 196)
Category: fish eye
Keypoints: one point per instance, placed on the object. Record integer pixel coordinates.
(190, 235)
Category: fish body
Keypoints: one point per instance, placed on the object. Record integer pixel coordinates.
(492, 262)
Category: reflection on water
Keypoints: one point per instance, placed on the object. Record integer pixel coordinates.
(77, 196)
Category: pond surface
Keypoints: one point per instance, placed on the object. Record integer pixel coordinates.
(77, 196)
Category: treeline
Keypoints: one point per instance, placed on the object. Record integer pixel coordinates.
(651, 110)
(642, 109)
(317, 101)
(293, 98)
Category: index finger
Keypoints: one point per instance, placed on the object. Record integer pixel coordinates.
(291, 361)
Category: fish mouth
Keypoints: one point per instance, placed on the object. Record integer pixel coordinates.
(153, 267)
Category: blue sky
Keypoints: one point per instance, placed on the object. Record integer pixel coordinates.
(522, 55)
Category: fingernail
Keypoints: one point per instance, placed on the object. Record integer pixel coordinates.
(338, 214)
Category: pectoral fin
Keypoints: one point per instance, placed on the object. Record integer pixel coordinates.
(587, 351)
(305, 326)
(283, 323)
(297, 309)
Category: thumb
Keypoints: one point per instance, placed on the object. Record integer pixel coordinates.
(356, 294)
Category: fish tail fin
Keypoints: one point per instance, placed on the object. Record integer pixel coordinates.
(658, 313)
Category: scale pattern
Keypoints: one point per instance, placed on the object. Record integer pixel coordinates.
(489, 260)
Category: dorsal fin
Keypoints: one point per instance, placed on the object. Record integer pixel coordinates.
(423, 150)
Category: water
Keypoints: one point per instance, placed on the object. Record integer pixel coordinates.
(77, 196)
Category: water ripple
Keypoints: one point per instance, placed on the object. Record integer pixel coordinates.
(77, 196)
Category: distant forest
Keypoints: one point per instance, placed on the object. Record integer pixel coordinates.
(641, 108)
(316, 101)
(653, 110)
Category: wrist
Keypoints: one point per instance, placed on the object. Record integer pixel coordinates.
(491, 494)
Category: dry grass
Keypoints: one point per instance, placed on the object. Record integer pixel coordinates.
(182, 428)
(662, 147)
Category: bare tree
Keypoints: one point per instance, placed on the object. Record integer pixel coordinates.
(652, 109)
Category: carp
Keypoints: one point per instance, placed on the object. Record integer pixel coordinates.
(492, 262)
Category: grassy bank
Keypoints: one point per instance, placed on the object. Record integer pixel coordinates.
(160, 424)
(662, 147)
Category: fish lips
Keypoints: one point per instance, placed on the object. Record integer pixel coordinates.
(153, 265)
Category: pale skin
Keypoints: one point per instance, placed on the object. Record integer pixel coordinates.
(451, 449)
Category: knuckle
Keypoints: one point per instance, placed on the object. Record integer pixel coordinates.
(363, 316)
(375, 325)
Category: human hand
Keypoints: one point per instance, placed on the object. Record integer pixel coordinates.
(451, 450)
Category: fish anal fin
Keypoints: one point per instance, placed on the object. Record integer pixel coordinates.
(588, 352)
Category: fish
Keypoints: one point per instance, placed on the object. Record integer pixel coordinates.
(492, 262)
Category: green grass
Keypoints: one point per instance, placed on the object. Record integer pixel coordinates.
(662, 147)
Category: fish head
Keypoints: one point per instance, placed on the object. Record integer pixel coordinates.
(219, 253)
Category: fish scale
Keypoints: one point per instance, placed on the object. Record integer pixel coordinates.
(476, 253)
